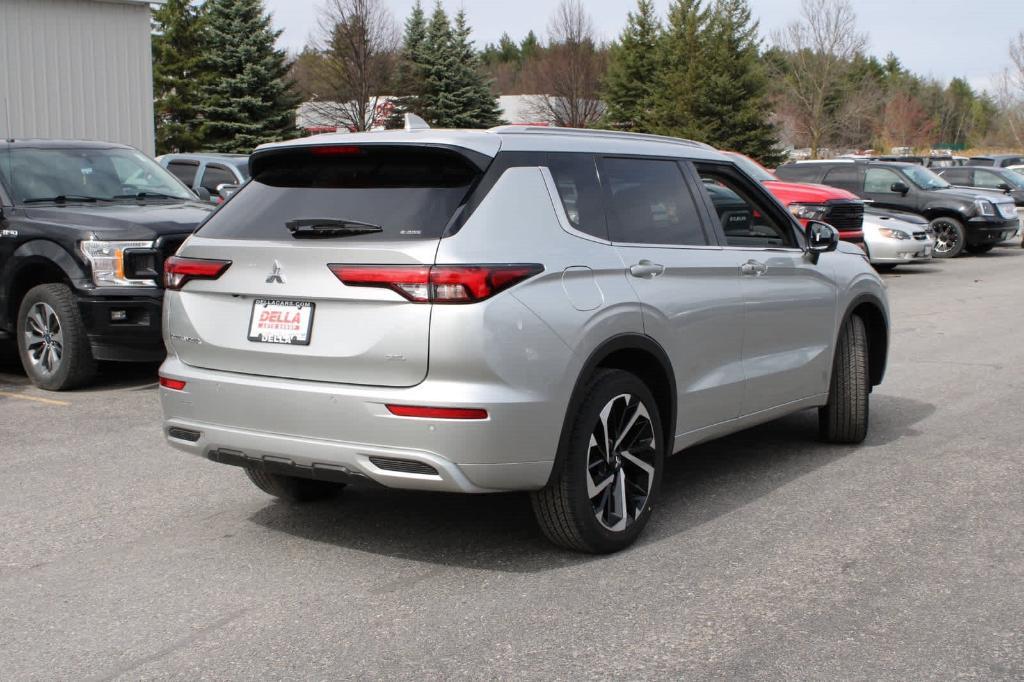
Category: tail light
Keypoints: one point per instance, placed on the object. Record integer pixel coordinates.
(179, 270)
(438, 283)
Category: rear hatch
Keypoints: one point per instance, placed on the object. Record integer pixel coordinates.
(278, 309)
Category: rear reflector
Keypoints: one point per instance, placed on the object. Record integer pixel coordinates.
(173, 384)
(437, 412)
(179, 270)
(438, 283)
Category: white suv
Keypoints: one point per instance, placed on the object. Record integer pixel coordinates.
(534, 309)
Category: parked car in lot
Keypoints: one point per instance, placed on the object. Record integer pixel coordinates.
(220, 175)
(837, 207)
(896, 238)
(84, 231)
(996, 160)
(971, 219)
(1003, 180)
(536, 309)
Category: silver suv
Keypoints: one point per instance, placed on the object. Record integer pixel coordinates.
(544, 310)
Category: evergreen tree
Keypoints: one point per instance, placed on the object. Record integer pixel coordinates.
(679, 83)
(735, 109)
(711, 84)
(530, 47)
(409, 85)
(632, 69)
(177, 73)
(438, 103)
(478, 108)
(248, 100)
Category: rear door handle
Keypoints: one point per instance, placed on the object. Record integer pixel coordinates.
(753, 268)
(646, 269)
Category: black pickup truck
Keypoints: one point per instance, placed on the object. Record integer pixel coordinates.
(971, 219)
(84, 230)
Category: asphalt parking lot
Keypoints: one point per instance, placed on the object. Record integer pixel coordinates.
(771, 556)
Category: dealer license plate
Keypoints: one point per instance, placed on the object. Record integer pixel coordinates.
(276, 321)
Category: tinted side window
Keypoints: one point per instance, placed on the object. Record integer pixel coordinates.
(880, 180)
(217, 175)
(575, 177)
(746, 219)
(799, 172)
(184, 170)
(956, 176)
(844, 177)
(650, 203)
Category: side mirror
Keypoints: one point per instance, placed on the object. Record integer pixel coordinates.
(225, 190)
(203, 194)
(821, 237)
(899, 188)
(1005, 187)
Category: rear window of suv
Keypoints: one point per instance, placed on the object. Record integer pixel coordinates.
(410, 192)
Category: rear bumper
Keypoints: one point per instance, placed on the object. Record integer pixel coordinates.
(321, 430)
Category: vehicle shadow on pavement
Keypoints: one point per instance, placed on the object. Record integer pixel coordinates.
(498, 532)
(111, 375)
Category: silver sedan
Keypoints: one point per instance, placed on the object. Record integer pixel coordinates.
(894, 238)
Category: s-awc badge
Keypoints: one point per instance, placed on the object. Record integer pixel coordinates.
(275, 321)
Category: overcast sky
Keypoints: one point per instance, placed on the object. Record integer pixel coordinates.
(940, 38)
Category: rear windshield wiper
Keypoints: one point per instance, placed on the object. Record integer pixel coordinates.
(325, 228)
(61, 199)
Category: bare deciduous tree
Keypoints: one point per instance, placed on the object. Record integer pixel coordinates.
(820, 48)
(357, 41)
(568, 74)
(1011, 90)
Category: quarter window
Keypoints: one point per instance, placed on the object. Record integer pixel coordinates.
(650, 203)
(880, 181)
(575, 176)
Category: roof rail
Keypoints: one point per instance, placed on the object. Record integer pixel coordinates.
(613, 134)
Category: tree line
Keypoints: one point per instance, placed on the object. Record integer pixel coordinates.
(702, 71)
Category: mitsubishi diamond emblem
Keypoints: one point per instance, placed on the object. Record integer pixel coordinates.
(275, 276)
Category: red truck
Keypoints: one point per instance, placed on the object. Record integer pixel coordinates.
(841, 209)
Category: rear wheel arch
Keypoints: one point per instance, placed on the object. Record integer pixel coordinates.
(639, 355)
(871, 311)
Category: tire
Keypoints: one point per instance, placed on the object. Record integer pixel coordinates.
(291, 488)
(52, 342)
(844, 419)
(568, 509)
(950, 237)
(979, 248)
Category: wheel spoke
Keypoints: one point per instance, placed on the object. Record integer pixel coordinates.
(630, 457)
(594, 489)
(639, 411)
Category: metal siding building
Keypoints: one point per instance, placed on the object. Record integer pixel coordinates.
(77, 69)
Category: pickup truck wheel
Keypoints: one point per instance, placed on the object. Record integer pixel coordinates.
(844, 419)
(602, 495)
(52, 342)
(291, 488)
(979, 248)
(950, 237)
